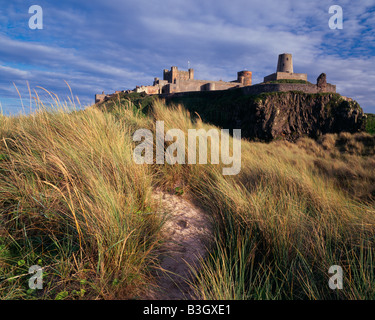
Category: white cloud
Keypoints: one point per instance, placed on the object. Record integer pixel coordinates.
(115, 44)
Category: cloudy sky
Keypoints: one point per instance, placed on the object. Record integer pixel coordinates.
(113, 45)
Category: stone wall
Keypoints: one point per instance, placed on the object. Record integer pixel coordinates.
(149, 89)
(183, 75)
(204, 85)
(285, 75)
(285, 87)
(198, 85)
(100, 97)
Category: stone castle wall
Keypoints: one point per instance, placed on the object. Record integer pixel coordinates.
(198, 85)
(285, 87)
(285, 75)
(100, 97)
(271, 87)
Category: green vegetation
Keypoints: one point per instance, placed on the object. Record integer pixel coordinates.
(73, 201)
(137, 101)
(370, 123)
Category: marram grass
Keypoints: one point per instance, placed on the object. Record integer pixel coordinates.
(73, 201)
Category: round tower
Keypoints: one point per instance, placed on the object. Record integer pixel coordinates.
(244, 77)
(285, 63)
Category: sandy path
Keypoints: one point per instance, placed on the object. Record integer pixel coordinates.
(188, 233)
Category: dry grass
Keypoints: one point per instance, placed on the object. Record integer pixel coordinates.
(71, 194)
(285, 219)
(347, 160)
(72, 197)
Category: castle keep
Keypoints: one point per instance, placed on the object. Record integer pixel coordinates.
(175, 81)
(178, 81)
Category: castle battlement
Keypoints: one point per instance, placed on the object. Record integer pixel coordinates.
(175, 81)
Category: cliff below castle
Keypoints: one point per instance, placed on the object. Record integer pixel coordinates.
(266, 116)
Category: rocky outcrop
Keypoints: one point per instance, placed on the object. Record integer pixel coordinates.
(321, 83)
(268, 116)
(292, 115)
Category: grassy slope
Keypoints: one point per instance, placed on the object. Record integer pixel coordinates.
(73, 201)
(71, 196)
(284, 220)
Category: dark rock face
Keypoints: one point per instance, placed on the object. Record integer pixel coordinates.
(274, 115)
(291, 115)
(321, 82)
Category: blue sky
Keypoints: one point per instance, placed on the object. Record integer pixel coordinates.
(117, 44)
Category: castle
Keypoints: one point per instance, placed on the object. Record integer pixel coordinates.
(177, 82)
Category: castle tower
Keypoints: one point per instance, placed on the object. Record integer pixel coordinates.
(285, 63)
(191, 74)
(166, 75)
(244, 77)
(285, 70)
(174, 74)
